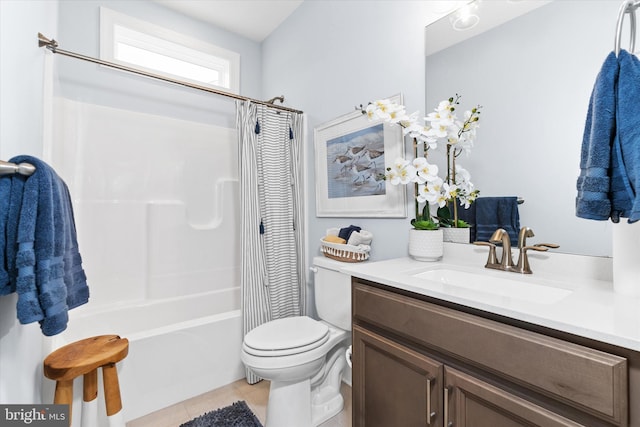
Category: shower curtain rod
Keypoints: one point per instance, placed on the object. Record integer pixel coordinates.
(52, 45)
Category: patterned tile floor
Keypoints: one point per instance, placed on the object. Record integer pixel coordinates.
(255, 395)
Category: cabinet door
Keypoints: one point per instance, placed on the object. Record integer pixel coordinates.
(471, 402)
(393, 385)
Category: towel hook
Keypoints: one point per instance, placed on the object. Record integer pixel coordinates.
(627, 6)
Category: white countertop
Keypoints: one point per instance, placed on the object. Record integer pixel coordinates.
(589, 308)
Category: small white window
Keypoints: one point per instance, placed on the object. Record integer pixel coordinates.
(135, 43)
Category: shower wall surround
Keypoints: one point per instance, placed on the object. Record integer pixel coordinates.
(156, 201)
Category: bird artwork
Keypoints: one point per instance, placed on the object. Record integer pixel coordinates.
(355, 164)
(372, 156)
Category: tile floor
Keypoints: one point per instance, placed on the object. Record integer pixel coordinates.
(255, 395)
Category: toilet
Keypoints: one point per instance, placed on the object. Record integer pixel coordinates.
(305, 358)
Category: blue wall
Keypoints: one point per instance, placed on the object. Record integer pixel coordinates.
(83, 81)
(332, 55)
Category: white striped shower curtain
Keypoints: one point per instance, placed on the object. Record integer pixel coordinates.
(272, 276)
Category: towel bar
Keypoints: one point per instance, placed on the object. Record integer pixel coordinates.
(627, 6)
(7, 168)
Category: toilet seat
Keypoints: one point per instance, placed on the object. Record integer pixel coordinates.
(287, 336)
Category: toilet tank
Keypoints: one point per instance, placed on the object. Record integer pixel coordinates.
(332, 292)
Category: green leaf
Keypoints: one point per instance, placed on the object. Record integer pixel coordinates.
(424, 225)
(444, 213)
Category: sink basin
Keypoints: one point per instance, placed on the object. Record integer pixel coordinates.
(523, 290)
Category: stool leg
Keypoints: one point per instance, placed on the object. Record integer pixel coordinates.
(112, 395)
(89, 398)
(64, 395)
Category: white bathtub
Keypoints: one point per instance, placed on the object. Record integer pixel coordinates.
(178, 348)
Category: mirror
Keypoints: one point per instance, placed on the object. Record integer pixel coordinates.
(533, 76)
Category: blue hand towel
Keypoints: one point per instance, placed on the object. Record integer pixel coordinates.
(497, 212)
(627, 142)
(594, 183)
(11, 239)
(469, 216)
(5, 195)
(50, 279)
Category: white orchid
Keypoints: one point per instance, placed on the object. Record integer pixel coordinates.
(440, 124)
(425, 172)
(402, 172)
(427, 193)
(466, 192)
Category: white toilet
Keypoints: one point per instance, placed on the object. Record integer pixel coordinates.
(304, 358)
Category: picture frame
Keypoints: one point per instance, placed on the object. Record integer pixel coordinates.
(352, 154)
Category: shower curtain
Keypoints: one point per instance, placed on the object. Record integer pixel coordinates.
(272, 277)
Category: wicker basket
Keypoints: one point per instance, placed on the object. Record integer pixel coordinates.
(343, 252)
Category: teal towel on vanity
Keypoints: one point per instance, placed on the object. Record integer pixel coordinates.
(42, 257)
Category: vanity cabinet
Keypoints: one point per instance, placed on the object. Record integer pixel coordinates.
(417, 362)
(398, 386)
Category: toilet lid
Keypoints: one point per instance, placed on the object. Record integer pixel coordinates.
(290, 335)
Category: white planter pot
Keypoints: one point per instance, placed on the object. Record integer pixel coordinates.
(426, 245)
(457, 235)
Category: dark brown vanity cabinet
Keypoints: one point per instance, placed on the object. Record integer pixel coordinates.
(419, 363)
(397, 386)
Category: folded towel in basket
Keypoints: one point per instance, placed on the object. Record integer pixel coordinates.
(345, 232)
(362, 237)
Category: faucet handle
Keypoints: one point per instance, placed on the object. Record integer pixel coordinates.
(523, 260)
(548, 245)
(492, 259)
(538, 247)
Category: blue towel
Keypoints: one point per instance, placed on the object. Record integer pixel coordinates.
(345, 233)
(469, 216)
(5, 195)
(46, 267)
(11, 227)
(596, 166)
(627, 142)
(497, 212)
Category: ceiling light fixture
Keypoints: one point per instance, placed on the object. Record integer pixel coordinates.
(466, 17)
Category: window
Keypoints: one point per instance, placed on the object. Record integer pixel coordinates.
(135, 43)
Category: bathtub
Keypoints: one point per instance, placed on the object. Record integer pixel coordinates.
(178, 348)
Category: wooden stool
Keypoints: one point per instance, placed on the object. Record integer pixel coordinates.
(84, 358)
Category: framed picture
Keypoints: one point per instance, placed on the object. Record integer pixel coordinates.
(352, 154)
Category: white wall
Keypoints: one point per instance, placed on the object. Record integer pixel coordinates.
(332, 55)
(21, 123)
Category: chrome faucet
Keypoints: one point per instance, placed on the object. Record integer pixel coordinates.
(506, 260)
